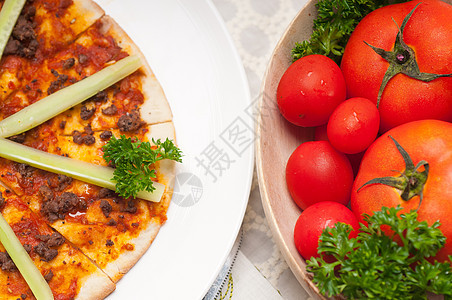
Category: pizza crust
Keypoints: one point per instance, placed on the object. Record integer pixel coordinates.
(155, 108)
(161, 131)
(96, 286)
(118, 268)
(89, 9)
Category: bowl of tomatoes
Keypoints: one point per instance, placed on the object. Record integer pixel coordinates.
(295, 137)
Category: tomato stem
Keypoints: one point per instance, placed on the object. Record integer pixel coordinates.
(411, 182)
(402, 60)
(402, 57)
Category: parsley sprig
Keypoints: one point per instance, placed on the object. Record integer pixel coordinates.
(333, 26)
(133, 161)
(379, 266)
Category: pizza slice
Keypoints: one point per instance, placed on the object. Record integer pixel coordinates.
(69, 273)
(43, 28)
(136, 97)
(59, 22)
(64, 68)
(154, 108)
(112, 231)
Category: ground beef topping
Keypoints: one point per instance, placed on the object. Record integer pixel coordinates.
(112, 222)
(110, 111)
(109, 243)
(65, 4)
(106, 208)
(106, 135)
(28, 248)
(68, 63)
(55, 240)
(83, 138)
(130, 121)
(105, 193)
(58, 84)
(52, 240)
(88, 130)
(129, 207)
(86, 113)
(57, 207)
(6, 263)
(63, 182)
(24, 170)
(102, 96)
(77, 137)
(18, 138)
(82, 59)
(2, 200)
(48, 276)
(46, 192)
(89, 140)
(59, 182)
(23, 40)
(46, 253)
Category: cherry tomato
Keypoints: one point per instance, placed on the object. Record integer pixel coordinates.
(315, 219)
(353, 125)
(310, 90)
(317, 172)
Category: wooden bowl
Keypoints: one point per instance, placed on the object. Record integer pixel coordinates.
(276, 140)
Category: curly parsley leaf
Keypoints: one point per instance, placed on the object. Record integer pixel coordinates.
(377, 266)
(133, 161)
(333, 26)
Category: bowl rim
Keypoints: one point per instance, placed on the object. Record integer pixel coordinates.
(302, 276)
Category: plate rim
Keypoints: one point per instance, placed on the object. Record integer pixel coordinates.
(249, 155)
(251, 162)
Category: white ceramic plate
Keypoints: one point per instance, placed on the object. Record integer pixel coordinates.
(193, 57)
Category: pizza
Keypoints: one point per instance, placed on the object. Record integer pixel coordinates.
(54, 256)
(83, 238)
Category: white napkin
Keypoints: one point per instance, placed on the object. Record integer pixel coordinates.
(247, 283)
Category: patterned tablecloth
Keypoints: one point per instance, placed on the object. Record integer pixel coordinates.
(255, 27)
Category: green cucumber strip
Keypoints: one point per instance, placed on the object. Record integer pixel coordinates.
(84, 171)
(60, 101)
(23, 262)
(8, 17)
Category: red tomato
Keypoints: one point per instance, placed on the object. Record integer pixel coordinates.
(315, 219)
(426, 140)
(353, 125)
(317, 172)
(310, 90)
(428, 33)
